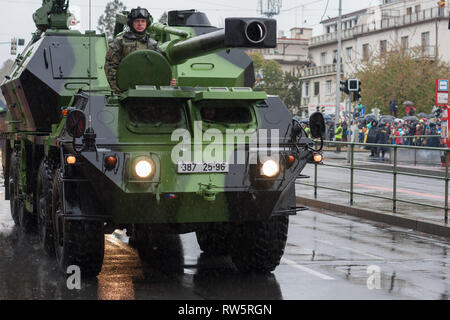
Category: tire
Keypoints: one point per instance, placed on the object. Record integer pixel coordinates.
(76, 242)
(158, 250)
(14, 187)
(214, 239)
(258, 246)
(20, 215)
(44, 186)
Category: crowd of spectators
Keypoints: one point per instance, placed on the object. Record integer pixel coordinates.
(388, 130)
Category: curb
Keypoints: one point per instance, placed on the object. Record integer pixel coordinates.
(435, 229)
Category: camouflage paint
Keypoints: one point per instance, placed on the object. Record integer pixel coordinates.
(57, 67)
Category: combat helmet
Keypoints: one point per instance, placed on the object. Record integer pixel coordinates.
(137, 13)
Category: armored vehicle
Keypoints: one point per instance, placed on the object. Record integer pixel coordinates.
(81, 160)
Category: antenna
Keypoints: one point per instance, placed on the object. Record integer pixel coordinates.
(269, 8)
(89, 135)
(90, 63)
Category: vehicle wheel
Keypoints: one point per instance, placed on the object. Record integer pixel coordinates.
(44, 207)
(76, 242)
(14, 188)
(258, 246)
(214, 239)
(158, 250)
(20, 215)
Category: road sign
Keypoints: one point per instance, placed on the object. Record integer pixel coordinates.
(441, 85)
(442, 99)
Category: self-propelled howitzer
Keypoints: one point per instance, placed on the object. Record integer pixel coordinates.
(80, 160)
(181, 46)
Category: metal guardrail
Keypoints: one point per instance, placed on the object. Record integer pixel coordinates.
(395, 173)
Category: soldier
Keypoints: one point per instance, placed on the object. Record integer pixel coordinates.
(137, 38)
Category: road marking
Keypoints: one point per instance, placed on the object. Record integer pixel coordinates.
(351, 249)
(306, 269)
(413, 193)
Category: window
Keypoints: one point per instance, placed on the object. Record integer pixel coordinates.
(383, 46)
(223, 113)
(316, 88)
(323, 58)
(307, 89)
(409, 11)
(155, 113)
(417, 8)
(425, 43)
(365, 51)
(335, 56)
(349, 53)
(405, 43)
(328, 86)
(425, 39)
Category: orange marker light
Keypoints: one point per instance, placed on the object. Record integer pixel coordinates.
(318, 157)
(110, 162)
(291, 159)
(65, 112)
(71, 160)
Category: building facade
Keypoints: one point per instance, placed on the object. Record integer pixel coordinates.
(291, 52)
(406, 24)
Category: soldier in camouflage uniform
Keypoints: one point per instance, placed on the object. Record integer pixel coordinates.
(139, 20)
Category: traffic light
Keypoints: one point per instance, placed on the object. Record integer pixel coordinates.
(353, 85)
(357, 93)
(13, 46)
(344, 86)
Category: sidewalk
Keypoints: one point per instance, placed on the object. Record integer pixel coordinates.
(409, 188)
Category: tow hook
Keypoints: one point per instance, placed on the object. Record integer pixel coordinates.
(206, 191)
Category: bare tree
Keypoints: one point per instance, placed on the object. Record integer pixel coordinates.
(107, 21)
(400, 74)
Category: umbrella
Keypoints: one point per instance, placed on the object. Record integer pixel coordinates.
(408, 103)
(422, 115)
(410, 118)
(388, 119)
(326, 117)
(360, 119)
(371, 117)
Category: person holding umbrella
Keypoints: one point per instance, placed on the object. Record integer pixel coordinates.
(410, 109)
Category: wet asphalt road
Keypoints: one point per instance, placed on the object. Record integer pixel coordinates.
(327, 257)
(409, 188)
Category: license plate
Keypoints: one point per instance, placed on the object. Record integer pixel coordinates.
(203, 167)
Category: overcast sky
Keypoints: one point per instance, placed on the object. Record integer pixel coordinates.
(16, 16)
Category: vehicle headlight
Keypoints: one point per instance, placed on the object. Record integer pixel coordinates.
(143, 169)
(270, 168)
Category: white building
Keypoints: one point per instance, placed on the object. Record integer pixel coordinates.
(291, 52)
(393, 23)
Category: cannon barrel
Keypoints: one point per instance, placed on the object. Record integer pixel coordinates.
(162, 28)
(238, 33)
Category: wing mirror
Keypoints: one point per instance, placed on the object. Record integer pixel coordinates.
(317, 125)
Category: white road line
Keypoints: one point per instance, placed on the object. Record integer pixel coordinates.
(351, 249)
(306, 269)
